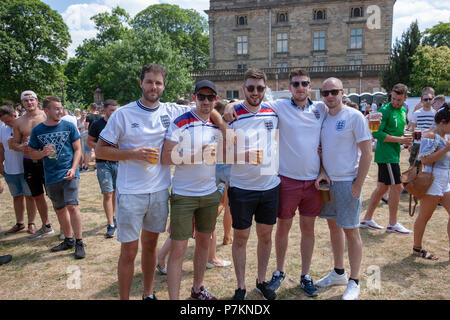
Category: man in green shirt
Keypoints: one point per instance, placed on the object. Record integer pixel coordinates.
(387, 155)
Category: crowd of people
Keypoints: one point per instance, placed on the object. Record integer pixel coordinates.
(250, 159)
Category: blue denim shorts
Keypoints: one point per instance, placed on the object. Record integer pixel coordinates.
(343, 206)
(107, 175)
(223, 172)
(17, 184)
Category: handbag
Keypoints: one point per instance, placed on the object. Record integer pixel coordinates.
(416, 182)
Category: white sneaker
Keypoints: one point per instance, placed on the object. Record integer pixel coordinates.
(226, 263)
(333, 279)
(352, 291)
(370, 224)
(397, 228)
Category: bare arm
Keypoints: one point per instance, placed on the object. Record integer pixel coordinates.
(435, 156)
(2, 159)
(363, 168)
(76, 145)
(90, 142)
(105, 151)
(16, 141)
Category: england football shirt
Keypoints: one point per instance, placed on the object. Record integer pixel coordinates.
(340, 137)
(134, 126)
(299, 137)
(192, 133)
(256, 130)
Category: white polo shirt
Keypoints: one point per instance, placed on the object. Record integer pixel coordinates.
(13, 160)
(340, 137)
(256, 130)
(134, 126)
(299, 137)
(192, 133)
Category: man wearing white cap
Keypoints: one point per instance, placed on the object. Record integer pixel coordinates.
(33, 169)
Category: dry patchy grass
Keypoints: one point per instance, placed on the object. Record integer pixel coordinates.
(36, 273)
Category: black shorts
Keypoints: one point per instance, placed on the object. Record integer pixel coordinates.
(389, 173)
(34, 176)
(246, 203)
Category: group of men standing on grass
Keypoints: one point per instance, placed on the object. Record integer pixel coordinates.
(280, 151)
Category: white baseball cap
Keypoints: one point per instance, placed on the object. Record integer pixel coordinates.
(28, 94)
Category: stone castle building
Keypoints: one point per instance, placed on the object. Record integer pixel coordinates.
(349, 39)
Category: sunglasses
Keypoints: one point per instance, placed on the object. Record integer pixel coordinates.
(334, 92)
(296, 84)
(427, 99)
(258, 88)
(202, 97)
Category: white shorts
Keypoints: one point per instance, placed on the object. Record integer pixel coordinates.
(141, 211)
(441, 182)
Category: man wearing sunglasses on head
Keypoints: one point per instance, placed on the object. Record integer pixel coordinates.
(422, 119)
(300, 121)
(346, 154)
(387, 155)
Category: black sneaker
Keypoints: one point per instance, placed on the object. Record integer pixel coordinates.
(264, 289)
(110, 230)
(239, 294)
(150, 297)
(79, 250)
(307, 285)
(65, 245)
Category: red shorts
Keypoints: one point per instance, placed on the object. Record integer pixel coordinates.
(299, 194)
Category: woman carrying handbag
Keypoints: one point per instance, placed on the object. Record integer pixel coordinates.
(434, 154)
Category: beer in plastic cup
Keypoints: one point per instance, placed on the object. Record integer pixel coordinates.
(211, 153)
(374, 121)
(53, 154)
(259, 158)
(154, 157)
(324, 188)
(417, 134)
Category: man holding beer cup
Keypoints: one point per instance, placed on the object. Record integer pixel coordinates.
(346, 155)
(191, 145)
(390, 136)
(133, 135)
(421, 120)
(254, 184)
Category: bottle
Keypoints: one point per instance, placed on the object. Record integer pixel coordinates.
(221, 186)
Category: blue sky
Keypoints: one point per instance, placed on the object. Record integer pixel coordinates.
(77, 13)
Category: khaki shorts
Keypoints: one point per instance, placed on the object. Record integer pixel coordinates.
(183, 208)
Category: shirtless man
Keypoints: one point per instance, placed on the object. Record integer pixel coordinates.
(33, 169)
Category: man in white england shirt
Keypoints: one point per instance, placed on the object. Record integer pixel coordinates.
(138, 130)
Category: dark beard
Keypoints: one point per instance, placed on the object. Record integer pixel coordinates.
(150, 99)
(254, 105)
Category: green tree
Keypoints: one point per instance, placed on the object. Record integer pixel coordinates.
(116, 67)
(33, 42)
(187, 29)
(437, 36)
(400, 66)
(431, 68)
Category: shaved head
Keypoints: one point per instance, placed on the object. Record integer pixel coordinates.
(334, 82)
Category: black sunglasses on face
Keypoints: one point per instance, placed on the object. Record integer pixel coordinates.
(202, 97)
(258, 88)
(334, 92)
(427, 99)
(296, 84)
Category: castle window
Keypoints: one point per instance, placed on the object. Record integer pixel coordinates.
(356, 12)
(282, 17)
(241, 20)
(320, 14)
